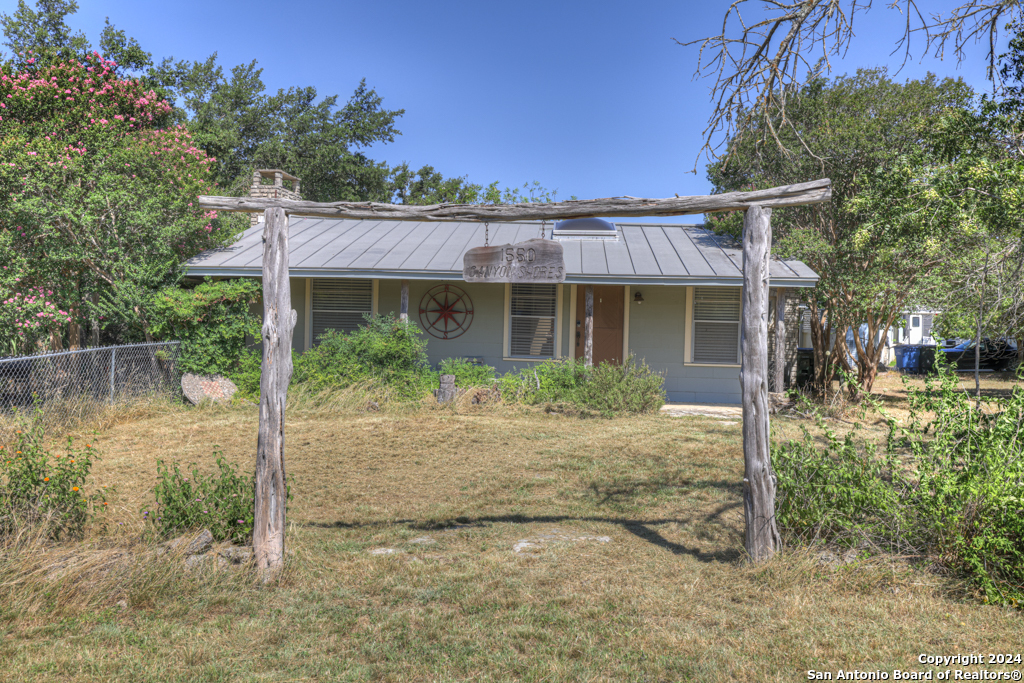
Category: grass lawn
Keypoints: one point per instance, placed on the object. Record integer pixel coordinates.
(634, 572)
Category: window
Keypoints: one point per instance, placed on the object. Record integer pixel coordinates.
(532, 321)
(339, 304)
(915, 321)
(716, 325)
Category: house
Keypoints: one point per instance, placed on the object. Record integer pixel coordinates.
(669, 294)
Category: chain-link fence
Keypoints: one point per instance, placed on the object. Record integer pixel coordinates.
(98, 376)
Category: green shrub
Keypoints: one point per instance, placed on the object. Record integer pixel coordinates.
(625, 388)
(246, 374)
(951, 488)
(221, 502)
(39, 489)
(840, 493)
(385, 350)
(606, 388)
(552, 381)
(211, 321)
(467, 373)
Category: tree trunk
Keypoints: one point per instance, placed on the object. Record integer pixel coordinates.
(588, 327)
(977, 340)
(780, 340)
(403, 311)
(95, 322)
(278, 323)
(762, 534)
(821, 340)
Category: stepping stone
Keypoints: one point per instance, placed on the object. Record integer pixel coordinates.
(384, 551)
(525, 546)
(553, 537)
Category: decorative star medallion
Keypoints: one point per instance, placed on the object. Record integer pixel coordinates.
(446, 312)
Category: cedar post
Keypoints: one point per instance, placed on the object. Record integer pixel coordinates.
(403, 311)
(446, 391)
(588, 327)
(779, 379)
(762, 534)
(278, 323)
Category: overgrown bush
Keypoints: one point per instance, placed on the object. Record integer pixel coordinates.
(40, 489)
(221, 502)
(467, 373)
(211, 321)
(246, 374)
(385, 350)
(606, 388)
(552, 381)
(951, 488)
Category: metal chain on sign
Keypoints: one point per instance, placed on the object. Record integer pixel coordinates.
(543, 229)
(487, 238)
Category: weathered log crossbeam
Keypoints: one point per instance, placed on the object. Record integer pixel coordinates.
(814, 192)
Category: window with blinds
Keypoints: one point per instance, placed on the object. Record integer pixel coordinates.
(339, 304)
(716, 325)
(532, 321)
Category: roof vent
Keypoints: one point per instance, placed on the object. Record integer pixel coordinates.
(585, 229)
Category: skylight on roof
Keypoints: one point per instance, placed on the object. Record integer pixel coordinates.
(585, 229)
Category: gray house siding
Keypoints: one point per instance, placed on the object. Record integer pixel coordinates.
(482, 340)
(664, 262)
(656, 334)
(299, 305)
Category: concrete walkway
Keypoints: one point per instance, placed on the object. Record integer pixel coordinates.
(722, 411)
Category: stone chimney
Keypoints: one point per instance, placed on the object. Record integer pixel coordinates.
(274, 189)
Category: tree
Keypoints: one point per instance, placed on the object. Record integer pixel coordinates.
(47, 38)
(844, 129)
(95, 193)
(237, 122)
(757, 65)
(969, 183)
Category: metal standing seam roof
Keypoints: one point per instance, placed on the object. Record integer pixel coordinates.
(646, 253)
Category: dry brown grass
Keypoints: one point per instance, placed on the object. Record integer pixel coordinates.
(666, 599)
(61, 417)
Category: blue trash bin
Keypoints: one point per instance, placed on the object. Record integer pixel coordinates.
(908, 358)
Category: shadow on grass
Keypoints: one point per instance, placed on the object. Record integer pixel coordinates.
(619, 491)
(643, 529)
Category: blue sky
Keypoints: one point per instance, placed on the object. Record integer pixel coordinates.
(593, 99)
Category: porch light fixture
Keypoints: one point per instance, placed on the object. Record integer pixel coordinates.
(638, 298)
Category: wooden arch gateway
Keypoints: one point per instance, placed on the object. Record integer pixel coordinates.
(762, 538)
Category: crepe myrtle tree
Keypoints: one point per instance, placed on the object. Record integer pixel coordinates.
(846, 128)
(97, 193)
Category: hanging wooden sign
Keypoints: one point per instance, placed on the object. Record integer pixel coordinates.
(536, 260)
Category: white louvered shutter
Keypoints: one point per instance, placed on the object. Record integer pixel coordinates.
(339, 304)
(716, 325)
(532, 321)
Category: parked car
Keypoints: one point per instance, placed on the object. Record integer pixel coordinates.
(996, 355)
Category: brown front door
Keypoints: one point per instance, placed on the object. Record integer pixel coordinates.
(608, 303)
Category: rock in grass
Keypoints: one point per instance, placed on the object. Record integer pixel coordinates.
(236, 554)
(196, 561)
(216, 388)
(423, 540)
(192, 545)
